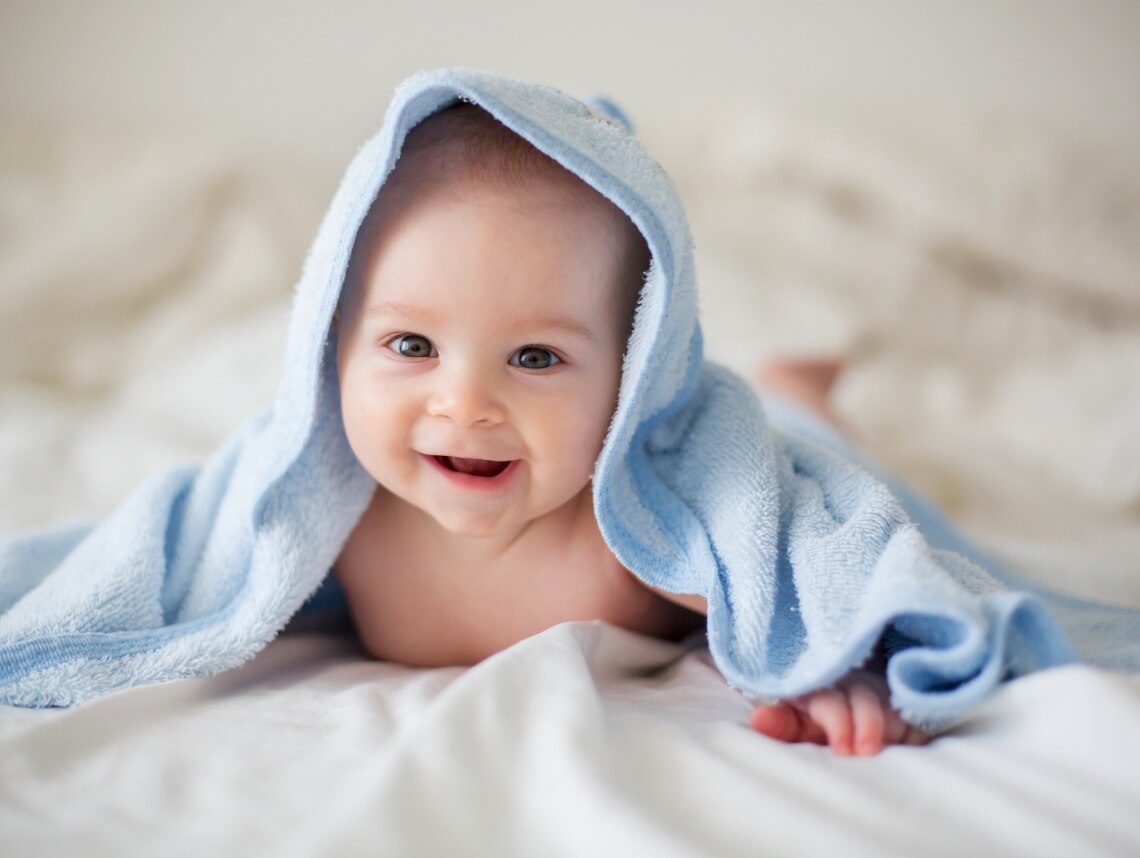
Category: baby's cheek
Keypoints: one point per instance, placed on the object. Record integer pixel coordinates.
(351, 410)
(597, 424)
(583, 439)
(364, 422)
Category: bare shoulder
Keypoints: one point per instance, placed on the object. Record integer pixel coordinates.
(633, 604)
(691, 601)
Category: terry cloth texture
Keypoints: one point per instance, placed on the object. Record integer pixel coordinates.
(807, 560)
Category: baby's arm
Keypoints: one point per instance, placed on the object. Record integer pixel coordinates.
(854, 717)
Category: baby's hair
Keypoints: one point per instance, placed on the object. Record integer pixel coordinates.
(464, 147)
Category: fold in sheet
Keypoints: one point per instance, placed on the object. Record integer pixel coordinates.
(808, 562)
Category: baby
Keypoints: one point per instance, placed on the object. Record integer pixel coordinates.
(479, 353)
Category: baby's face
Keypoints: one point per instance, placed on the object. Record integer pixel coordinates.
(479, 363)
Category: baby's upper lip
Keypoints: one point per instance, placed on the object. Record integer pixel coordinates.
(465, 456)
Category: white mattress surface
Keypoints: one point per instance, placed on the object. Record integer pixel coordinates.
(583, 740)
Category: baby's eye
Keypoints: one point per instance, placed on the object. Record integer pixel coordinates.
(534, 357)
(412, 346)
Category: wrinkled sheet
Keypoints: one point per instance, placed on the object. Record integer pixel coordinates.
(583, 740)
(984, 284)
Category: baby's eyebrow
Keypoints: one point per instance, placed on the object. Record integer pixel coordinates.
(395, 308)
(567, 326)
(424, 314)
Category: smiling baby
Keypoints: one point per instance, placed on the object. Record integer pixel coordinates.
(480, 339)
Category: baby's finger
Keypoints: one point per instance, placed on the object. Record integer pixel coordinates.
(914, 736)
(777, 721)
(783, 722)
(830, 710)
(897, 732)
(867, 711)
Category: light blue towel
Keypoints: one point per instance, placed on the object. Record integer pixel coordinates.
(806, 560)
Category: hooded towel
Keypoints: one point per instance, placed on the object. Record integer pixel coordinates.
(807, 561)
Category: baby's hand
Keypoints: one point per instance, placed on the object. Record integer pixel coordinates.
(854, 718)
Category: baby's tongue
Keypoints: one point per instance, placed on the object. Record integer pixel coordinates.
(477, 467)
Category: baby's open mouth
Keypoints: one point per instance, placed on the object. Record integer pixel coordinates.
(474, 467)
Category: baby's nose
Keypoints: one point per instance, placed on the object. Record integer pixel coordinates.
(467, 398)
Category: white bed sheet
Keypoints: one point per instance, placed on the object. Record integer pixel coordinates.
(143, 295)
(583, 740)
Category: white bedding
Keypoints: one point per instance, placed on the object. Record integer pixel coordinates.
(985, 284)
(583, 740)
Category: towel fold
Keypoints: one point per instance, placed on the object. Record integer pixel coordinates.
(808, 561)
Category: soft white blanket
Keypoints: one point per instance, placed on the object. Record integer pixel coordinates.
(583, 740)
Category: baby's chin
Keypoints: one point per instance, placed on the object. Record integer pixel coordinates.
(471, 521)
(475, 527)
(503, 524)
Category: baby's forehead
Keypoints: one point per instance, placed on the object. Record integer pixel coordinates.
(463, 151)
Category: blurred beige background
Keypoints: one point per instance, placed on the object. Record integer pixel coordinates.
(314, 78)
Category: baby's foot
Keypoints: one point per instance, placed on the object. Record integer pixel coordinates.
(807, 382)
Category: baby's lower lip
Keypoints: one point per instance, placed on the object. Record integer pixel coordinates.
(443, 465)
